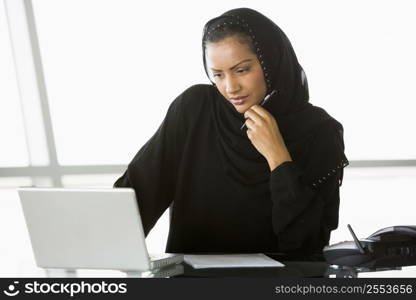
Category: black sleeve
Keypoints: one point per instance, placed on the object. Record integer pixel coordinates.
(305, 194)
(152, 171)
(302, 216)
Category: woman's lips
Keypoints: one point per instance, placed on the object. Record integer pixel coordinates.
(238, 100)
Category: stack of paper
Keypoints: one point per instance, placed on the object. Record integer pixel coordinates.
(257, 260)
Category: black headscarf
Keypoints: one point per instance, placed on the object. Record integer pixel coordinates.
(299, 121)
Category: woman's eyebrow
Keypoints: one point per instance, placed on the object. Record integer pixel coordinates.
(233, 67)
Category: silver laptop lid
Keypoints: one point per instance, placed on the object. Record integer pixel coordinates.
(85, 228)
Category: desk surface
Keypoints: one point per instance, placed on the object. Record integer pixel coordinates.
(291, 269)
(299, 269)
(304, 269)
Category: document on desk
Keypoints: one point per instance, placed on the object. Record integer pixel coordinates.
(205, 261)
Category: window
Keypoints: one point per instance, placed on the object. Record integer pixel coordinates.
(13, 150)
(111, 80)
(112, 74)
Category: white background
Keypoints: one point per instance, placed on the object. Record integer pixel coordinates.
(113, 67)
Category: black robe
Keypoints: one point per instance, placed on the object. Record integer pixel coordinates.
(183, 166)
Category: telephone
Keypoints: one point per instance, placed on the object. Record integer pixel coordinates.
(393, 246)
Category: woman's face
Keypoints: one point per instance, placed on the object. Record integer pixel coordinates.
(236, 72)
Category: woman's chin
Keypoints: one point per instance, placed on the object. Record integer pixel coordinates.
(241, 108)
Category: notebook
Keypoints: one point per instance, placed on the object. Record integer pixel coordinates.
(256, 260)
(88, 229)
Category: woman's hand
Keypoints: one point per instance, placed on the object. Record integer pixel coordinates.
(264, 134)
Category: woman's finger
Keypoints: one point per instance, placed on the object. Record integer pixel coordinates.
(253, 115)
(260, 111)
(250, 124)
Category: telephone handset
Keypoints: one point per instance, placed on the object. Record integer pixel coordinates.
(388, 247)
(394, 233)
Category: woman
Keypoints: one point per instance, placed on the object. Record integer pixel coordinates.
(270, 185)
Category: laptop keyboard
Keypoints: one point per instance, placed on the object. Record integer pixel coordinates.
(156, 256)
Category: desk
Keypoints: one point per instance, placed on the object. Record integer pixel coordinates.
(299, 269)
(292, 269)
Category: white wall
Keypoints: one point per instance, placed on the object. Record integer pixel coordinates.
(113, 67)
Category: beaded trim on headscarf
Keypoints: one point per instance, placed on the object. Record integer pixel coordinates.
(249, 31)
(323, 179)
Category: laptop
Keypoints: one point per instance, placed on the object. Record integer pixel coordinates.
(88, 229)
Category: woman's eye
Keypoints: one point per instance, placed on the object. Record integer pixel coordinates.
(242, 70)
(216, 75)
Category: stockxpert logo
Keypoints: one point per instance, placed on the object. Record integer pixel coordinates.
(71, 289)
(11, 289)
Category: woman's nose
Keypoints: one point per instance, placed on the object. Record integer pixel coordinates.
(232, 86)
